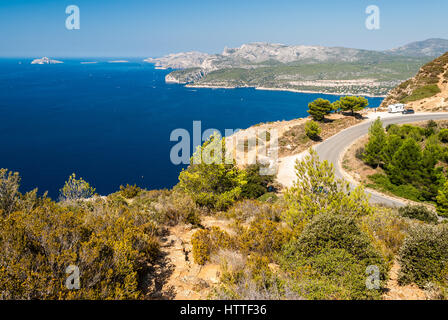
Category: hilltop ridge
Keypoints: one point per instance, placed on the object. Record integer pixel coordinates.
(304, 68)
(427, 90)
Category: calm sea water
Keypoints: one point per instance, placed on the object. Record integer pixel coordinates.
(111, 123)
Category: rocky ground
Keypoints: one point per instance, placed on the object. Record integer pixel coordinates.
(178, 277)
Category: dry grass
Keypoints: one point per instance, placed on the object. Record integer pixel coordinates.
(294, 140)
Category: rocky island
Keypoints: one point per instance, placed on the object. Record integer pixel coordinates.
(45, 60)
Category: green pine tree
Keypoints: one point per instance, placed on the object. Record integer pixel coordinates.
(377, 140)
(406, 164)
(353, 104)
(319, 108)
(442, 201)
(393, 143)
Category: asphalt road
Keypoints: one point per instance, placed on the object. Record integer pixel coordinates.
(332, 148)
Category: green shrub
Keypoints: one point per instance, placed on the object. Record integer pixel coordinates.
(424, 255)
(330, 259)
(386, 229)
(256, 184)
(210, 181)
(268, 197)
(9, 190)
(382, 183)
(76, 189)
(263, 237)
(318, 191)
(443, 135)
(312, 130)
(431, 128)
(175, 207)
(129, 191)
(111, 246)
(335, 231)
(418, 212)
(248, 210)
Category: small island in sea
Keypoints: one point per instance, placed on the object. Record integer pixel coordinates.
(45, 60)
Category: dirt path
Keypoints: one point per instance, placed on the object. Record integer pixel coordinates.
(179, 277)
(397, 292)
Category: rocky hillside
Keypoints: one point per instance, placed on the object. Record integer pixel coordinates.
(304, 68)
(427, 90)
(428, 48)
(253, 54)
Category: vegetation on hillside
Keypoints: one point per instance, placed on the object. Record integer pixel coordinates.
(319, 240)
(413, 159)
(319, 108)
(423, 85)
(386, 73)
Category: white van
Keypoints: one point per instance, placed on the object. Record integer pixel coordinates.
(394, 108)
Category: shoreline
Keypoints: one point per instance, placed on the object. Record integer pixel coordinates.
(321, 92)
(283, 89)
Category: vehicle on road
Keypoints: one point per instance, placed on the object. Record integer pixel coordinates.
(395, 108)
(408, 111)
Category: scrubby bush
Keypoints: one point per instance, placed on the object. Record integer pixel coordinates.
(330, 259)
(111, 246)
(424, 255)
(248, 210)
(418, 212)
(312, 130)
(207, 241)
(256, 184)
(129, 191)
(270, 197)
(9, 189)
(251, 279)
(173, 207)
(386, 229)
(263, 236)
(76, 189)
(210, 181)
(443, 135)
(431, 128)
(317, 191)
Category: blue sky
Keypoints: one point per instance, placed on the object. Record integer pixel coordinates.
(125, 28)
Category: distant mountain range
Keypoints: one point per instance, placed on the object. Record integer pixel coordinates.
(427, 48)
(304, 68)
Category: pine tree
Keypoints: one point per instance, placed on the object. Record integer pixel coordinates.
(377, 140)
(353, 104)
(405, 167)
(317, 191)
(431, 176)
(442, 201)
(393, 143)
(319, 108)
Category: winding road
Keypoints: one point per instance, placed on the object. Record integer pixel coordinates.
(333, 148)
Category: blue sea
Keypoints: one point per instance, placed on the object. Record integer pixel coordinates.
(110, 123)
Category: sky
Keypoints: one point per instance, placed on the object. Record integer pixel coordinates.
(152, 28)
